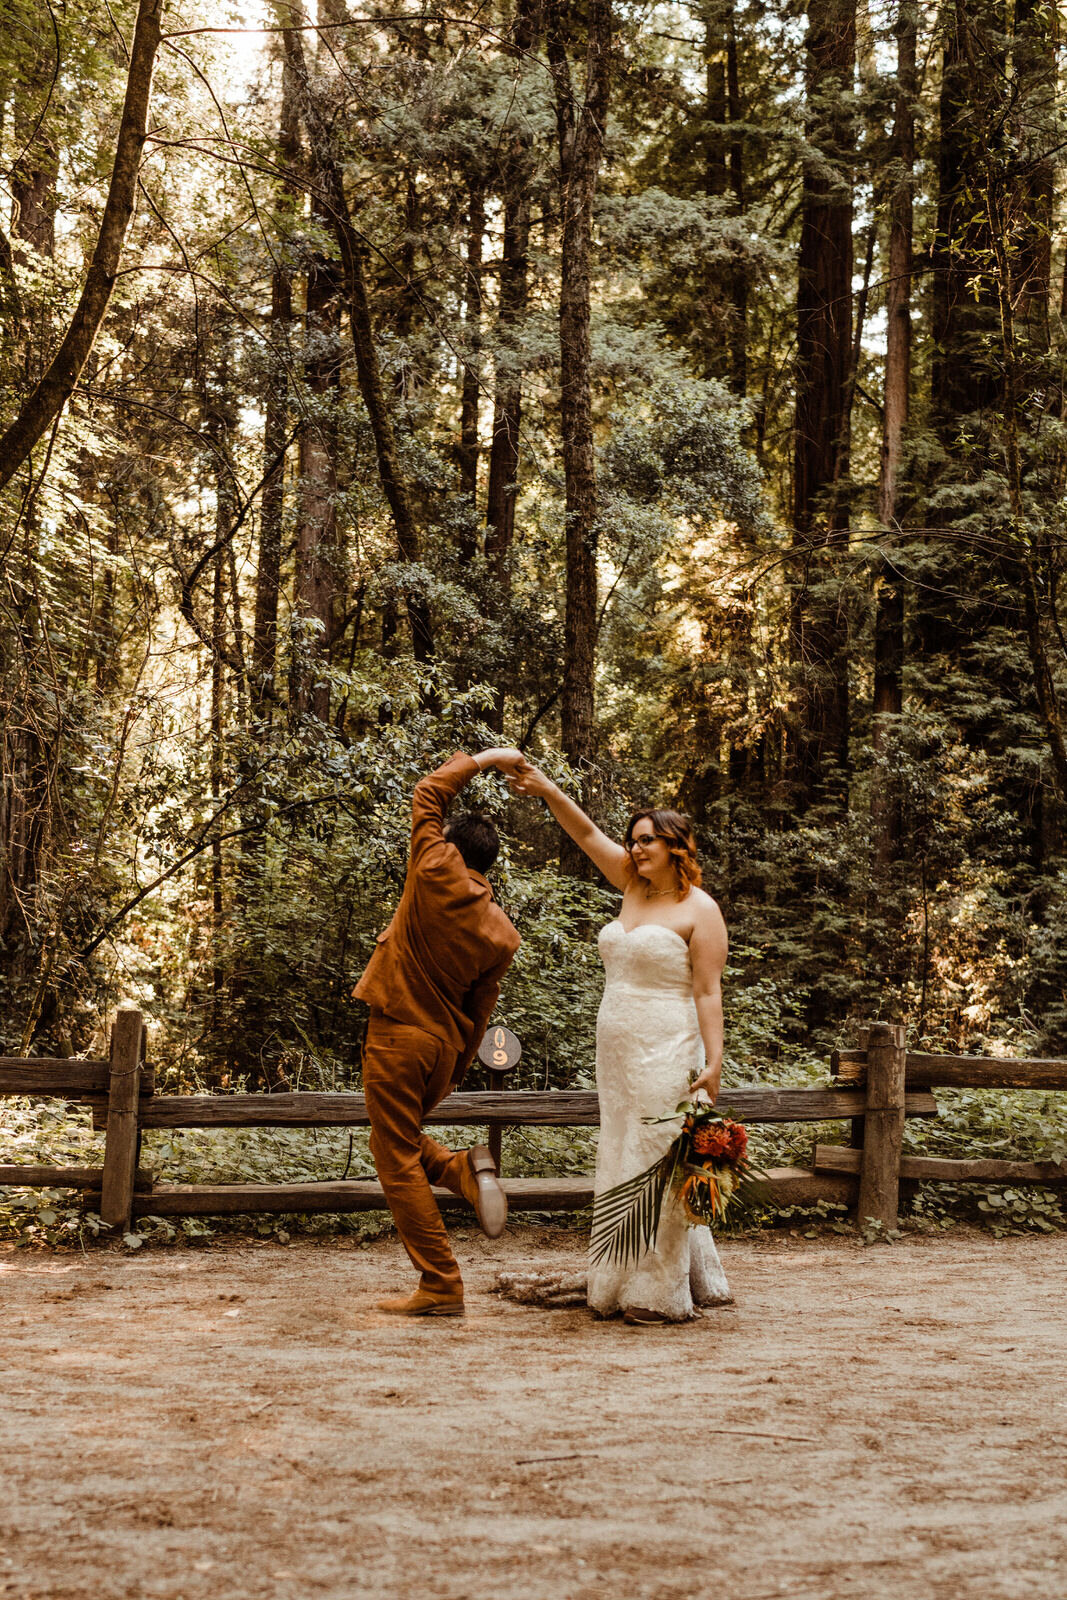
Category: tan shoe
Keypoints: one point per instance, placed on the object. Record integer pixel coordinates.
(484, 1192)
(642, 1317)
(423, 1304)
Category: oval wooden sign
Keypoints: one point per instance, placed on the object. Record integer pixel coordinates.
(500, 1050)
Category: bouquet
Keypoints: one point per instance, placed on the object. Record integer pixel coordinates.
(715, 1163)
(706, 1168)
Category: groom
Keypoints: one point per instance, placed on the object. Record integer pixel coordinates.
(431, 985)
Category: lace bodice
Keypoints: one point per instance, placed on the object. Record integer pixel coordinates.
(649, 957)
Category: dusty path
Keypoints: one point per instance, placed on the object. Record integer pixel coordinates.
(235, 1423)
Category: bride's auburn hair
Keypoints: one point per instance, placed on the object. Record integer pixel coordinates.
(677, 832)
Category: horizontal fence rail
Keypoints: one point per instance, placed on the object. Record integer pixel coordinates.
(62, 1177)
(958, 1072)
(943, 1169)
(66, 1080)
(532, 1108)
(874, 1090)
(789, 1186)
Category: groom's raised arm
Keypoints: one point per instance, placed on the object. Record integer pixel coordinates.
(431, 800)
(435, 793)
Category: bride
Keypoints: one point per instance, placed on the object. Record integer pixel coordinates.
(659, 1027)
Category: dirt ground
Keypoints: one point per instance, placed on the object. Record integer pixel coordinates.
(238, 1422)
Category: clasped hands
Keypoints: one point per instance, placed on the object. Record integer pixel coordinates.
(521, 776)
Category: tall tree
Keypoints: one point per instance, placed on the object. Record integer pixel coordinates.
(889, 613)
(965, 380)
(819, 631)
(318, 554)
(33, 178)
(275, 415)
(514, 170)
(1035, 125)
(352, 252)
(472, 341)
(580, 120)
(45, 404)
(722, 332)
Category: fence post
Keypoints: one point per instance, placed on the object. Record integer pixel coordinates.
(500, 1051)
(883, 1125)
(123, 1135)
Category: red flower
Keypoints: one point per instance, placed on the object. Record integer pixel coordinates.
(738, 1141)
(707, 1140)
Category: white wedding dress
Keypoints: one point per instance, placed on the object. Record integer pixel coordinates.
(647, 1045)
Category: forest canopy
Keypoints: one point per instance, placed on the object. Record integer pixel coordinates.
(675, 390)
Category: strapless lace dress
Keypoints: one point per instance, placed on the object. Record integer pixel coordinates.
(647, 1045)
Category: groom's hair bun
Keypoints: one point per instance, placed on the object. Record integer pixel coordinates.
(475, 837)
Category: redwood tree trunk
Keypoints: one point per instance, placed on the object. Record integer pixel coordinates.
(889, 615)
(723, 335)
(581, 137)
(738, 273)
(275, 429)
(351, 249)
(819, 635)
(33, 190)
(472, 353)
(33, 178)
(1034, 61)
(512, 301)
(507, 397)
(964, 378)
(317, 552)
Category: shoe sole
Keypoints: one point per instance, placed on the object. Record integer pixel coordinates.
(427, 1311)
(492, 1206)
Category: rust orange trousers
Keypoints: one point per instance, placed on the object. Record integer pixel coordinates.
(406, 1071)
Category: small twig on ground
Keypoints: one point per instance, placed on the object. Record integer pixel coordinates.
(751, 1433)
(575, 1455)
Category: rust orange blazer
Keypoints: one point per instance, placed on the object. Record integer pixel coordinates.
(439, 963)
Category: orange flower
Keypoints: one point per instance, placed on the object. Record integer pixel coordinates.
(701, 1194)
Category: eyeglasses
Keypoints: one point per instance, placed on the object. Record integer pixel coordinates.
(643, 839)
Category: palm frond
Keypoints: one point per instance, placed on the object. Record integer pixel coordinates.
(753, 1192)
(626, 1218)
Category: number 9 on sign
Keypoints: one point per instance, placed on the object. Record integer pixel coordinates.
(500, 1049)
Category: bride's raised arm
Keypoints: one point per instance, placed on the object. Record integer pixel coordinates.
(602, 851)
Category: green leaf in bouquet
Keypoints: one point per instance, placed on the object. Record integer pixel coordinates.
(626, 1218)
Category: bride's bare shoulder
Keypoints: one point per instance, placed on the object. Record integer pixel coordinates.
(702, 904)
(708, 921)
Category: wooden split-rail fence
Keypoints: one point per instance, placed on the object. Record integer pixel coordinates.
(874, 1090)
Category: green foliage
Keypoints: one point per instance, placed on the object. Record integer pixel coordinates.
(226, 860)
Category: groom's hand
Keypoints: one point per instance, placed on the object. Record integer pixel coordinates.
(506, 758)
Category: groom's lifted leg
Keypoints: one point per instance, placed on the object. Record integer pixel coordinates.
(471, 1174)
(406, 1072)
